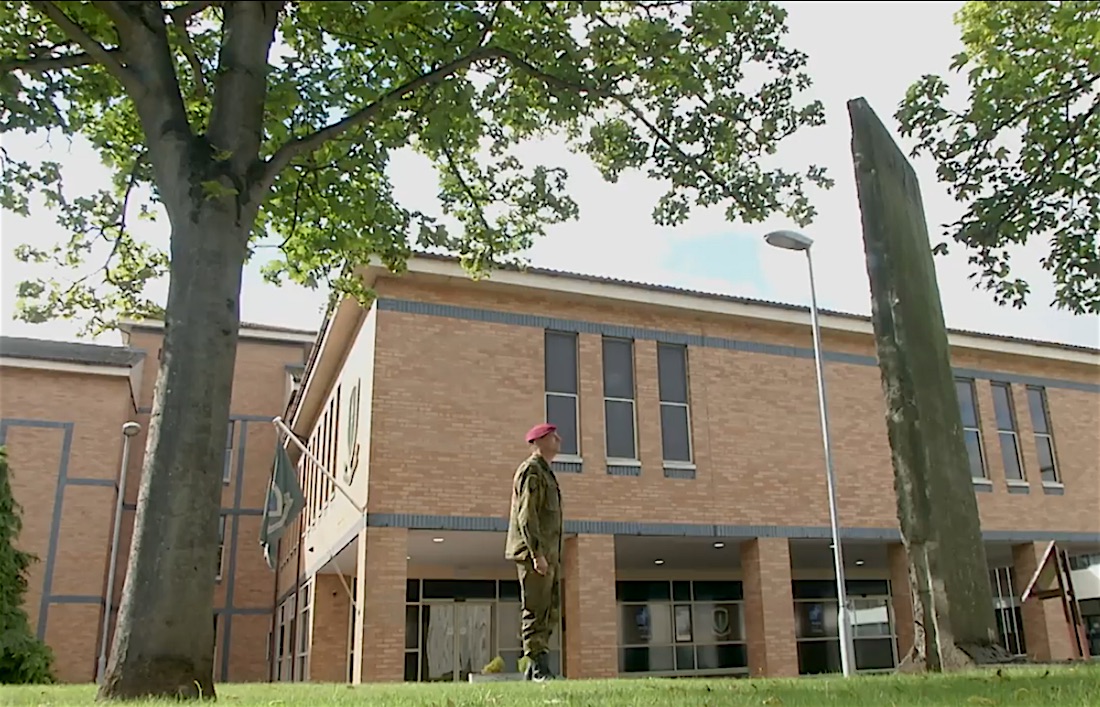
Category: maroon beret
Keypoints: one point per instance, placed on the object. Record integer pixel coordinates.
(539, 431)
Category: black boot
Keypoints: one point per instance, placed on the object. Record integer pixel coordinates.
(540, 668)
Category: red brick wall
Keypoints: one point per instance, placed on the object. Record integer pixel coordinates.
(328, 658)
(769, 615)
(1045, 629)
(590, 611)
(96, 406)
(381, 594)
(453, 398)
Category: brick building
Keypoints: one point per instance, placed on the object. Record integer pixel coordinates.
(693, 481)
(62, 408)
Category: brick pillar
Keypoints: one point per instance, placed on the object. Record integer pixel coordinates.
(590, 610)
(1045, 629)
(593, 448)
(380, 599)
(328, 660)
(901, 597)
(648, 404)
(769, 607)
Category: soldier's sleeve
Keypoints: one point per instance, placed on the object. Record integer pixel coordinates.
(529, 495)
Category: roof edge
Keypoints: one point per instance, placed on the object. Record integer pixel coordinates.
(246, 330)
(69, 353)
(708, 302)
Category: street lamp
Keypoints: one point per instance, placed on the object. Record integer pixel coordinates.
(793, 240)
(129, 430)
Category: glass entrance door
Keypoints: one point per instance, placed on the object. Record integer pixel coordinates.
(474, 636)
(457, 640)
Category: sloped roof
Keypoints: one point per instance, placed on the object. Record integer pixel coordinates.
(68, 352)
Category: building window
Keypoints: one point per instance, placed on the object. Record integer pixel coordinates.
(221, 546)
(293, 384)
(817, 627)
(681, 628)
(305, 627)
(1084, 562)
(1006, 431)
(1044, 434)
(1006, 607)
(456, 627)
(620, 426)
(227, 463)
(672, 378)
(968, 408)
(562, 384)
(284, 647)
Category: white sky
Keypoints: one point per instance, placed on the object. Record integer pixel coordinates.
(869, 49)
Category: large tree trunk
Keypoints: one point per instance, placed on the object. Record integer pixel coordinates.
(164, 639)
(937, 508)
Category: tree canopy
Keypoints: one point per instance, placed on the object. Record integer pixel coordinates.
(1023, 153)
(659, 86)
(254, 120)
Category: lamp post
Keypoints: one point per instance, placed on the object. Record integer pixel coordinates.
(129, 430)
(793, 240)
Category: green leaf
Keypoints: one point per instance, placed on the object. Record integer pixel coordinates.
(1022, 156)
(652, 87)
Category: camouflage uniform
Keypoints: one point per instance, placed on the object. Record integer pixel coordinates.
(535, 529)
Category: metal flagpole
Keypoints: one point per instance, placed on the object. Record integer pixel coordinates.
(278, 422)
(282, 427)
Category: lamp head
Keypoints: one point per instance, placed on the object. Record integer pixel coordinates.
(131, 428)
(788, 240)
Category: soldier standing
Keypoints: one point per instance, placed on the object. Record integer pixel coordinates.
(534, 544)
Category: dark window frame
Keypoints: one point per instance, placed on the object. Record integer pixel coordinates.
(1009, 429)
(668, 399)
(571, 448)
(975, 429)
(617, 397)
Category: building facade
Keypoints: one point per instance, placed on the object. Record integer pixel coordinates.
(62, 409)
(692, 477)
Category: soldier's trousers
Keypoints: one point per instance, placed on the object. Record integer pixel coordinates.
(540, 599)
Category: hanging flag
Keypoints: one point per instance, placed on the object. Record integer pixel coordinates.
(284, 502)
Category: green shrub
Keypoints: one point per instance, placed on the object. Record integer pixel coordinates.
(23, 658)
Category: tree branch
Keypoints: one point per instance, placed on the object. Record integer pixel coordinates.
(94, 50)
(38, 65)
(180, 17)
(474, 201)
(183, 13)
(556, 82)
(236, 118)
(310, 143)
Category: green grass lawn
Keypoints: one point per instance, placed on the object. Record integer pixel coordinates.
(1039, 686)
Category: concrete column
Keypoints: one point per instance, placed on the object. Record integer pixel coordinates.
(769, 607)
(590, 610)
(901, 597)
(1045, 629)
(328, 658)
(382, 571)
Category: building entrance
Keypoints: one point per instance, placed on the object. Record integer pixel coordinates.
(458, 639)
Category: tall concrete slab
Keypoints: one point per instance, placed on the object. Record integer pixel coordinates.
(937, 509)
